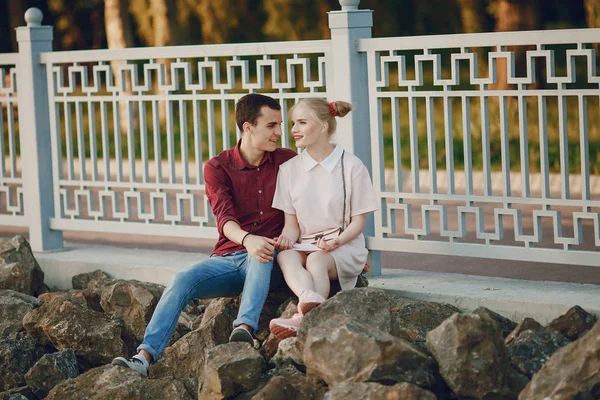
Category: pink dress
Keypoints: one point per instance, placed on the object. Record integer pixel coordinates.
(313, 191)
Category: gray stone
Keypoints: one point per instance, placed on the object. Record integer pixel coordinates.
(470, 351)
(13, 307)
(288, 353)
(133, 302)
(572, 372)
(377, 391)
(112, 382)
(19, 270)
(532, 349)
(287, 385)
(18, 352)
(367, 305)
(81, 281)
(345, 350)
(20, 393)
(413, 319)
(230, 369)
(51, 370)
(574, 324)
(505, 324)
(528, 324)
(185, 358)
(66, 324)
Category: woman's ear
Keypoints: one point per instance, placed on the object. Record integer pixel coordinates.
(326, 127)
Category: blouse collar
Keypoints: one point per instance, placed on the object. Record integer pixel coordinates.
(329, 163)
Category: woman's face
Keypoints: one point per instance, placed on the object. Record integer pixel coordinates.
(306, 130)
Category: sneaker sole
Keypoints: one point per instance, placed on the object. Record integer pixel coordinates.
(283, 332)
(305, 308)
(239, 336)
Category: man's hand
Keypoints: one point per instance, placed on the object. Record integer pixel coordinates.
(283, 243)
(328, 245)
(259, 247)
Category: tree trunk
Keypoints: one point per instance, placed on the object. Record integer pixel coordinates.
(161, 23)
(592, 17)
(514, 15)
(119, 36)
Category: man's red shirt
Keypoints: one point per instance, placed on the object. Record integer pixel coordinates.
(243, 193)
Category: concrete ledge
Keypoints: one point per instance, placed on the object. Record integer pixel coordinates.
(156, 266)
(513, 298)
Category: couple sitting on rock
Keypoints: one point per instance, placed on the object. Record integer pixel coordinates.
(277, 212)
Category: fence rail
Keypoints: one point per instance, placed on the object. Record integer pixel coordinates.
(465, 147)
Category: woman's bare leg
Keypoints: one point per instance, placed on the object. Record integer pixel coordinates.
(296, 276)
(321, 267)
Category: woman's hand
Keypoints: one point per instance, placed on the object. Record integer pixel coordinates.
(283, 243)
(328, 245)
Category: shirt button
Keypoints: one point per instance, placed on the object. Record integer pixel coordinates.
(255, 224)
(260, 191)
(261, 213)
(258, 169)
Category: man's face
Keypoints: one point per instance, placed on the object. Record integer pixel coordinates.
(267, 131)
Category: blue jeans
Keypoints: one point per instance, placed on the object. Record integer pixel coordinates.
(217, 276)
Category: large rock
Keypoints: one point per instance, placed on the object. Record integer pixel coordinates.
(573, 372)
(367, 305)
(290, 384)
(112, 382)
(531, 349)
(81, 281)
(185, 358)
(20, 393)
(413, 319)
(528, 324)
(19, 271)
(470, 351)
(51, 370)
(505, 324)
(66, 324)
(133, 302)
(574, 324)
(288, 353)
(376, 391)
(86, 297)
(18, 352)
(13, 307)
(345, 350)
(230, 369)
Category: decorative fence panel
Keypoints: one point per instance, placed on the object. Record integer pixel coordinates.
(446, 110)
(11, 180)
(132, 128)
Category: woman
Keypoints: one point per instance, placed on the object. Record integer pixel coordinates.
(321, 189)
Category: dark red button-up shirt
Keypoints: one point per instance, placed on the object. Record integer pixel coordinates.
(243, 193)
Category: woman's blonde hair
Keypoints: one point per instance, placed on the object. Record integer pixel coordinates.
(324, 111)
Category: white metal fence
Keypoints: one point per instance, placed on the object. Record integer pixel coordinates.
(115, 140)
(11, 181)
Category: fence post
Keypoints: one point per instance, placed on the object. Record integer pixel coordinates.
(34, 129)
(349, 83)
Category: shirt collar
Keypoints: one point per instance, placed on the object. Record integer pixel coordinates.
(329, 163)
(239, 163)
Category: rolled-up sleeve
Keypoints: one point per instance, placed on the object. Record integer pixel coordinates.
(218, 191)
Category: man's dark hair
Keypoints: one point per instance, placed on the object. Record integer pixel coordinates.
(248, 108)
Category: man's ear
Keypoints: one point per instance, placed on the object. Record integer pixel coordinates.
(246, 127)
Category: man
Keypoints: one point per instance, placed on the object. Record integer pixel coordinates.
(240, 184)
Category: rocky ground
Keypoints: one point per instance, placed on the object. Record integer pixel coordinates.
(363, 343)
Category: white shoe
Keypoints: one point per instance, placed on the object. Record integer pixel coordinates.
(138, 363)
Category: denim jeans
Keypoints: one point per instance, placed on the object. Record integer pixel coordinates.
(217, 276)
